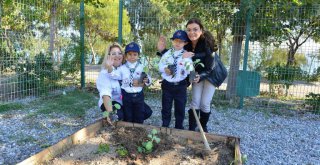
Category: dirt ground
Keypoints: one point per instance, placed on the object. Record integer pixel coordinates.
(170, 150)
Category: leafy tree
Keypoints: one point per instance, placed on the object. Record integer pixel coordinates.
(101, 25)
(276, 57)
(292, 23)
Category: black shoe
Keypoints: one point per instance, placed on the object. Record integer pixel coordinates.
(192, 120)
(204, 118)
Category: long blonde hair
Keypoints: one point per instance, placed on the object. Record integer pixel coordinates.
(113, 45)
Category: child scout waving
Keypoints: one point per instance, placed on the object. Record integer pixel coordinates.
(173, 69)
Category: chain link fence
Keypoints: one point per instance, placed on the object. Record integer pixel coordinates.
(39, 45)
(272, 51)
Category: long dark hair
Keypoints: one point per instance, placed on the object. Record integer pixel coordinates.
(206, 35)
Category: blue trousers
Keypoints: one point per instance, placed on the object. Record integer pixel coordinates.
(177, 93)
(133, 106)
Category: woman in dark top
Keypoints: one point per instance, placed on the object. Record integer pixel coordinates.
(201, 47)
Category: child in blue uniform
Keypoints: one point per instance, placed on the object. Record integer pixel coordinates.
(173, 69)
(132, 89)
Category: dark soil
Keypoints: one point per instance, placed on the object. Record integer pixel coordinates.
(170, 150)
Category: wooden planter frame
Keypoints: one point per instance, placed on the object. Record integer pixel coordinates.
(85, 133)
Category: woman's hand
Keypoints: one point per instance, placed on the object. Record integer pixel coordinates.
(161, 43)
(196, 79)
(107, 121)
(187, 55)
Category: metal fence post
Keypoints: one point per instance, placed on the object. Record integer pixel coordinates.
(82, 43)
(120, 22)
(246, 49)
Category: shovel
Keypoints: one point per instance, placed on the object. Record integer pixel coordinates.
(204, 139)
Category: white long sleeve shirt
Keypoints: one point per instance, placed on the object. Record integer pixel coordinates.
(108, 87)
(182, 65)
(123, 73)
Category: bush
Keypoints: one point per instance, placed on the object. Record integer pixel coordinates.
(313, 100)
(37, 73)
(282, 77)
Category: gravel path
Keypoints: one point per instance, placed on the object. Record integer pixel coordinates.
(265, 138)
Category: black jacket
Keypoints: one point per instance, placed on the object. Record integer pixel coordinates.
(204, 53)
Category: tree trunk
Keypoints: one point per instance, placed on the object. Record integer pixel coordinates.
(8, 41)
(52, 29)
(234, 66)
(93, 53)
(91, 43)
(219, 42)
(291, 58)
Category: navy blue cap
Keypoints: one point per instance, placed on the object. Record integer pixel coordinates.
(134, 47)
(180, 34)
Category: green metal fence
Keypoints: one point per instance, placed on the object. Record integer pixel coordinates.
(276, 46)
(39, 41)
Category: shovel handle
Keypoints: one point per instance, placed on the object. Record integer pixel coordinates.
(204, 139)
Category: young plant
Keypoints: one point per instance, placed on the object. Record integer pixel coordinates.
(106, 114)
(147, 146)
(103, 148)
(122, 151)
(191, 66)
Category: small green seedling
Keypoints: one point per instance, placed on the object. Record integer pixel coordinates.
(122, 151)
(114, 111)
(192, 66)
(103, 148)
(147, 146)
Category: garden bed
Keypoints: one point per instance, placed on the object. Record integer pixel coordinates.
(96, 144)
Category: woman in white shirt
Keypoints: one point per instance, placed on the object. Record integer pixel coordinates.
(109, 89)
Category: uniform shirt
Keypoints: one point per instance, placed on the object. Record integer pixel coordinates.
(123, 73)
(109, 87)
(184, 65)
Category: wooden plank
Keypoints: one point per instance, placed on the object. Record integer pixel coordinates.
(58, 148)
(178, 132)
(237, 153)
(90, 131)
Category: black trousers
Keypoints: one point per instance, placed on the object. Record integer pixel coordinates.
(177, 93)
(133, 106)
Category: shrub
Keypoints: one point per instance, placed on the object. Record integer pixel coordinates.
(281, 77)
(36, 74)
(313, 100)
